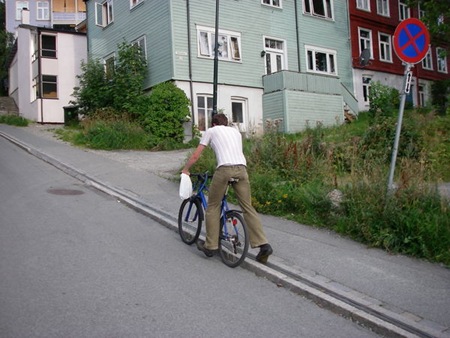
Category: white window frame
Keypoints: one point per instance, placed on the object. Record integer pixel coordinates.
(441, 62)
(43, 10)
(205, 112)
(134, 3)
(421, 12)
(427, 62)
(312, 60)
(363, 5)
(20, 5)
(421, 92)
(385, 46)
(272, 3)
(229, 44)
(383, 8)
(47, 52)
(109, 60)
(104, 13)
(141, 42)
(366, 80)
(365, 40)
(274, 53)
(404, 11)
(243, 102)
(319, 8)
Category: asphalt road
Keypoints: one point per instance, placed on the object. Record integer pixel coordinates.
(76, 263)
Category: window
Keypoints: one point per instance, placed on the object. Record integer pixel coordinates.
(204, 111)
(385, 47)
(403, 10)
(141, 43)
(43, 10)
(49, 87)
(134, 3)
(48, 46)
(19, 6)
(422, 90)
(274, 3)
(238, 111)
(229, 44)
(421, 12)
(427, 62)
(321, 8)
(104, 13)
(363, 4)
(109, 62)
(321, 60)
(383, 7)
(366, 88)
(274, 54)
(365, 40)
(441, 60)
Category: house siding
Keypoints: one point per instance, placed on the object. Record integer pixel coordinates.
(168, 24)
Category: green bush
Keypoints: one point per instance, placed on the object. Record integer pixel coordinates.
(163, 112)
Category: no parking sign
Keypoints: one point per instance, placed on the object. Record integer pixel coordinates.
(411, 40)
(411, 44)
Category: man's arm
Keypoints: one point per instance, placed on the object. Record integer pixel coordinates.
(194, 157)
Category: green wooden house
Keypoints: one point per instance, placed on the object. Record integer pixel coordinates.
(283, 61)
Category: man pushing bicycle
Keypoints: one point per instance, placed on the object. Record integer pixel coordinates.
(226, 143)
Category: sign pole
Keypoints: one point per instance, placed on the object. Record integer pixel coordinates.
(411, 44)
(406, 87)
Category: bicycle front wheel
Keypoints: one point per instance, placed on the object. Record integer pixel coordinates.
(233, 240)
(190, 218)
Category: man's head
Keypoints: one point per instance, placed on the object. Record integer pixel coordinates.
(219, 120)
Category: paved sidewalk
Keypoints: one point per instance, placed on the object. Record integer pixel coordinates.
(369, 285)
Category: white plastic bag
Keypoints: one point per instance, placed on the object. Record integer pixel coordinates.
(185, 186)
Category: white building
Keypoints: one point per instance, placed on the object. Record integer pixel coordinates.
(43, 70)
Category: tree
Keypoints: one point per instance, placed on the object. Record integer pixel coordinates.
(436, 15)
(6, 44)
(119, 91)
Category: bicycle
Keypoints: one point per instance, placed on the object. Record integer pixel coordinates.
(233, 238)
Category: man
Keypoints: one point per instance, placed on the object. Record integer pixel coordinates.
(231, 163)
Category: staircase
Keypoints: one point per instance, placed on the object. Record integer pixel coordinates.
(8, 106)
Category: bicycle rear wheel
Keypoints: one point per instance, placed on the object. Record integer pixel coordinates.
(190, 218)
(233, 240)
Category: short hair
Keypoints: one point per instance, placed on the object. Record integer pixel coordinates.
(219, 120)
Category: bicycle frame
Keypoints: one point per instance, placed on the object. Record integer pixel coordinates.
(200, 187)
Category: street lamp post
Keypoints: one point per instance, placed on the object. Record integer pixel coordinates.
(216, 60)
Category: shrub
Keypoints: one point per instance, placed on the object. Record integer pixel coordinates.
(163, 112)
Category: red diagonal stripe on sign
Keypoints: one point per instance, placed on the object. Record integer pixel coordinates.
(412, 40)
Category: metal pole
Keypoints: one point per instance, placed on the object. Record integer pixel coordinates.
(216, 59)
(406, 86)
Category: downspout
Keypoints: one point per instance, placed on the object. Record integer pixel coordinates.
(40, 75)
(188, 12)
(297, 35)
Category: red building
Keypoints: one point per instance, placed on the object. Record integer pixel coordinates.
(372, 27)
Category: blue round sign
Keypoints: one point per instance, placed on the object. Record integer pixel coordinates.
(411, 40)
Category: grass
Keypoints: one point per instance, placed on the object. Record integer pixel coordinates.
(14, 120)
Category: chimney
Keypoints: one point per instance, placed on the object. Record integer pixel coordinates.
(25, 16)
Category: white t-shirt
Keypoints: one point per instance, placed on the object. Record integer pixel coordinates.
(226, 143)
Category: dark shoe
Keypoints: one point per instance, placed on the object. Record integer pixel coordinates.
(264, 253)
(201, 246)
